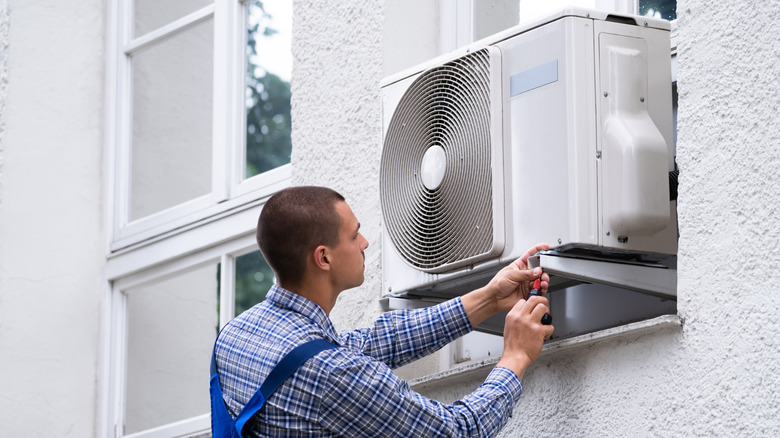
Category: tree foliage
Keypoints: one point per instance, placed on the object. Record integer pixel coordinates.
(268, 124)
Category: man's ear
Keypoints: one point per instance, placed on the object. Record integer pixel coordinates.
(322, 258)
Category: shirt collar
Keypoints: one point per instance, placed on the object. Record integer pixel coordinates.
(284, 299)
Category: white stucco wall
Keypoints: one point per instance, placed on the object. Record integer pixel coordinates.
(337, 61)
(341, 50)
(716, 375)
(729, 153)
(51, 246)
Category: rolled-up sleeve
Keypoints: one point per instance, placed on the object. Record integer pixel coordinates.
(402, 336)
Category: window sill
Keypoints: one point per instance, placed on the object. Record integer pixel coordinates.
(633, 329)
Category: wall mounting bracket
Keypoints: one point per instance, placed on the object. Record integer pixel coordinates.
(652, 279)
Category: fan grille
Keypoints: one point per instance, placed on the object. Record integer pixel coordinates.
(449, 106)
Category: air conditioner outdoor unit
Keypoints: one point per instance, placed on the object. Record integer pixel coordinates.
(556, 131)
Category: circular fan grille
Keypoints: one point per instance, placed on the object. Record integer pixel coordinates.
(435, 228)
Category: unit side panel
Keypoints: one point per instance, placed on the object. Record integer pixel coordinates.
(550, 163)
(658, 105)
(581, 132)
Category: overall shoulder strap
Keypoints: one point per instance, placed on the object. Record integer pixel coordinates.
(283, 370)
(222, 424)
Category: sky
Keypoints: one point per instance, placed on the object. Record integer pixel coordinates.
(274, 53)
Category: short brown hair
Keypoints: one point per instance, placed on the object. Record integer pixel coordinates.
(293, 222)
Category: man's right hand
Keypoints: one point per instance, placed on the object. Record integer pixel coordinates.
(524, 334)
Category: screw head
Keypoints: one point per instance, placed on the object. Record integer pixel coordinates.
(608, 233)
(598, 155)
(641, 99)
(606, 94)
(560, 241)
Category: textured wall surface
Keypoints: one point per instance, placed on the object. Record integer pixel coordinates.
(715, 376)
(729, 154)
(50, 240)
(3, 82)
(337, 62)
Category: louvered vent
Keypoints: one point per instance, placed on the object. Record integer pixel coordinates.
(441, 168)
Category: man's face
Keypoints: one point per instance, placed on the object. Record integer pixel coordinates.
(348, 259)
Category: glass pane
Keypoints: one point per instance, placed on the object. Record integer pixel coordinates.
(269, 67)
(253, 279)
(153, 14)
(659, 9)
(172, 113)
(171, 329)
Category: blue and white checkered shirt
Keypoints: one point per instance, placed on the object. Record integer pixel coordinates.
(351, 391)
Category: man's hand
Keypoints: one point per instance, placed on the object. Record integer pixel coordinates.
(514, 281)
(524, 334)
(509, 285)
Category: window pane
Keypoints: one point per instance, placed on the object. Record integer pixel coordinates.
(171, 329)
(153, 14)
(269, 67)
(172, 113)
(659, 9)
(253, 279)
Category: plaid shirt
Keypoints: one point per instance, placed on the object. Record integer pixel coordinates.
(351, 391)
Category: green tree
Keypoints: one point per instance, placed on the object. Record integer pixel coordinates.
(253, 279)
(268, 124)
(666, 9)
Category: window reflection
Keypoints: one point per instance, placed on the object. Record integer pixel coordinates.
(269, 67)
(253, 279)
(153, 14)
(171, 154)
(170, 333)
(659, 9)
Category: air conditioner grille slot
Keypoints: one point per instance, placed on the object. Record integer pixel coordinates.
(436, 227)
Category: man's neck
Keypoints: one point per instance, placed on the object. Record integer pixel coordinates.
(316, 291)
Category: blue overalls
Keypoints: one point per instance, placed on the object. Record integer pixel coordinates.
(222, 423)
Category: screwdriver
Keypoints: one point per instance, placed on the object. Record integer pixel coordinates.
(536, 291)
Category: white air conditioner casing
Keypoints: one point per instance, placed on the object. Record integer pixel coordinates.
(557, 131)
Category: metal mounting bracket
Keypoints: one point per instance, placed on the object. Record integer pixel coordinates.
(649, 279)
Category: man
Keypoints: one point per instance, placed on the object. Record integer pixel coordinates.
(311, 239)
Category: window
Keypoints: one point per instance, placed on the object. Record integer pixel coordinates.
(269, 67)
(666, 9)
(164, 322)
(492, 17)
(197, 138)
(201, 111)
(171, 324)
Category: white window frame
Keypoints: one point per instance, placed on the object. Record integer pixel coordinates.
(229, 189)
(129, 275)
(215, 228)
